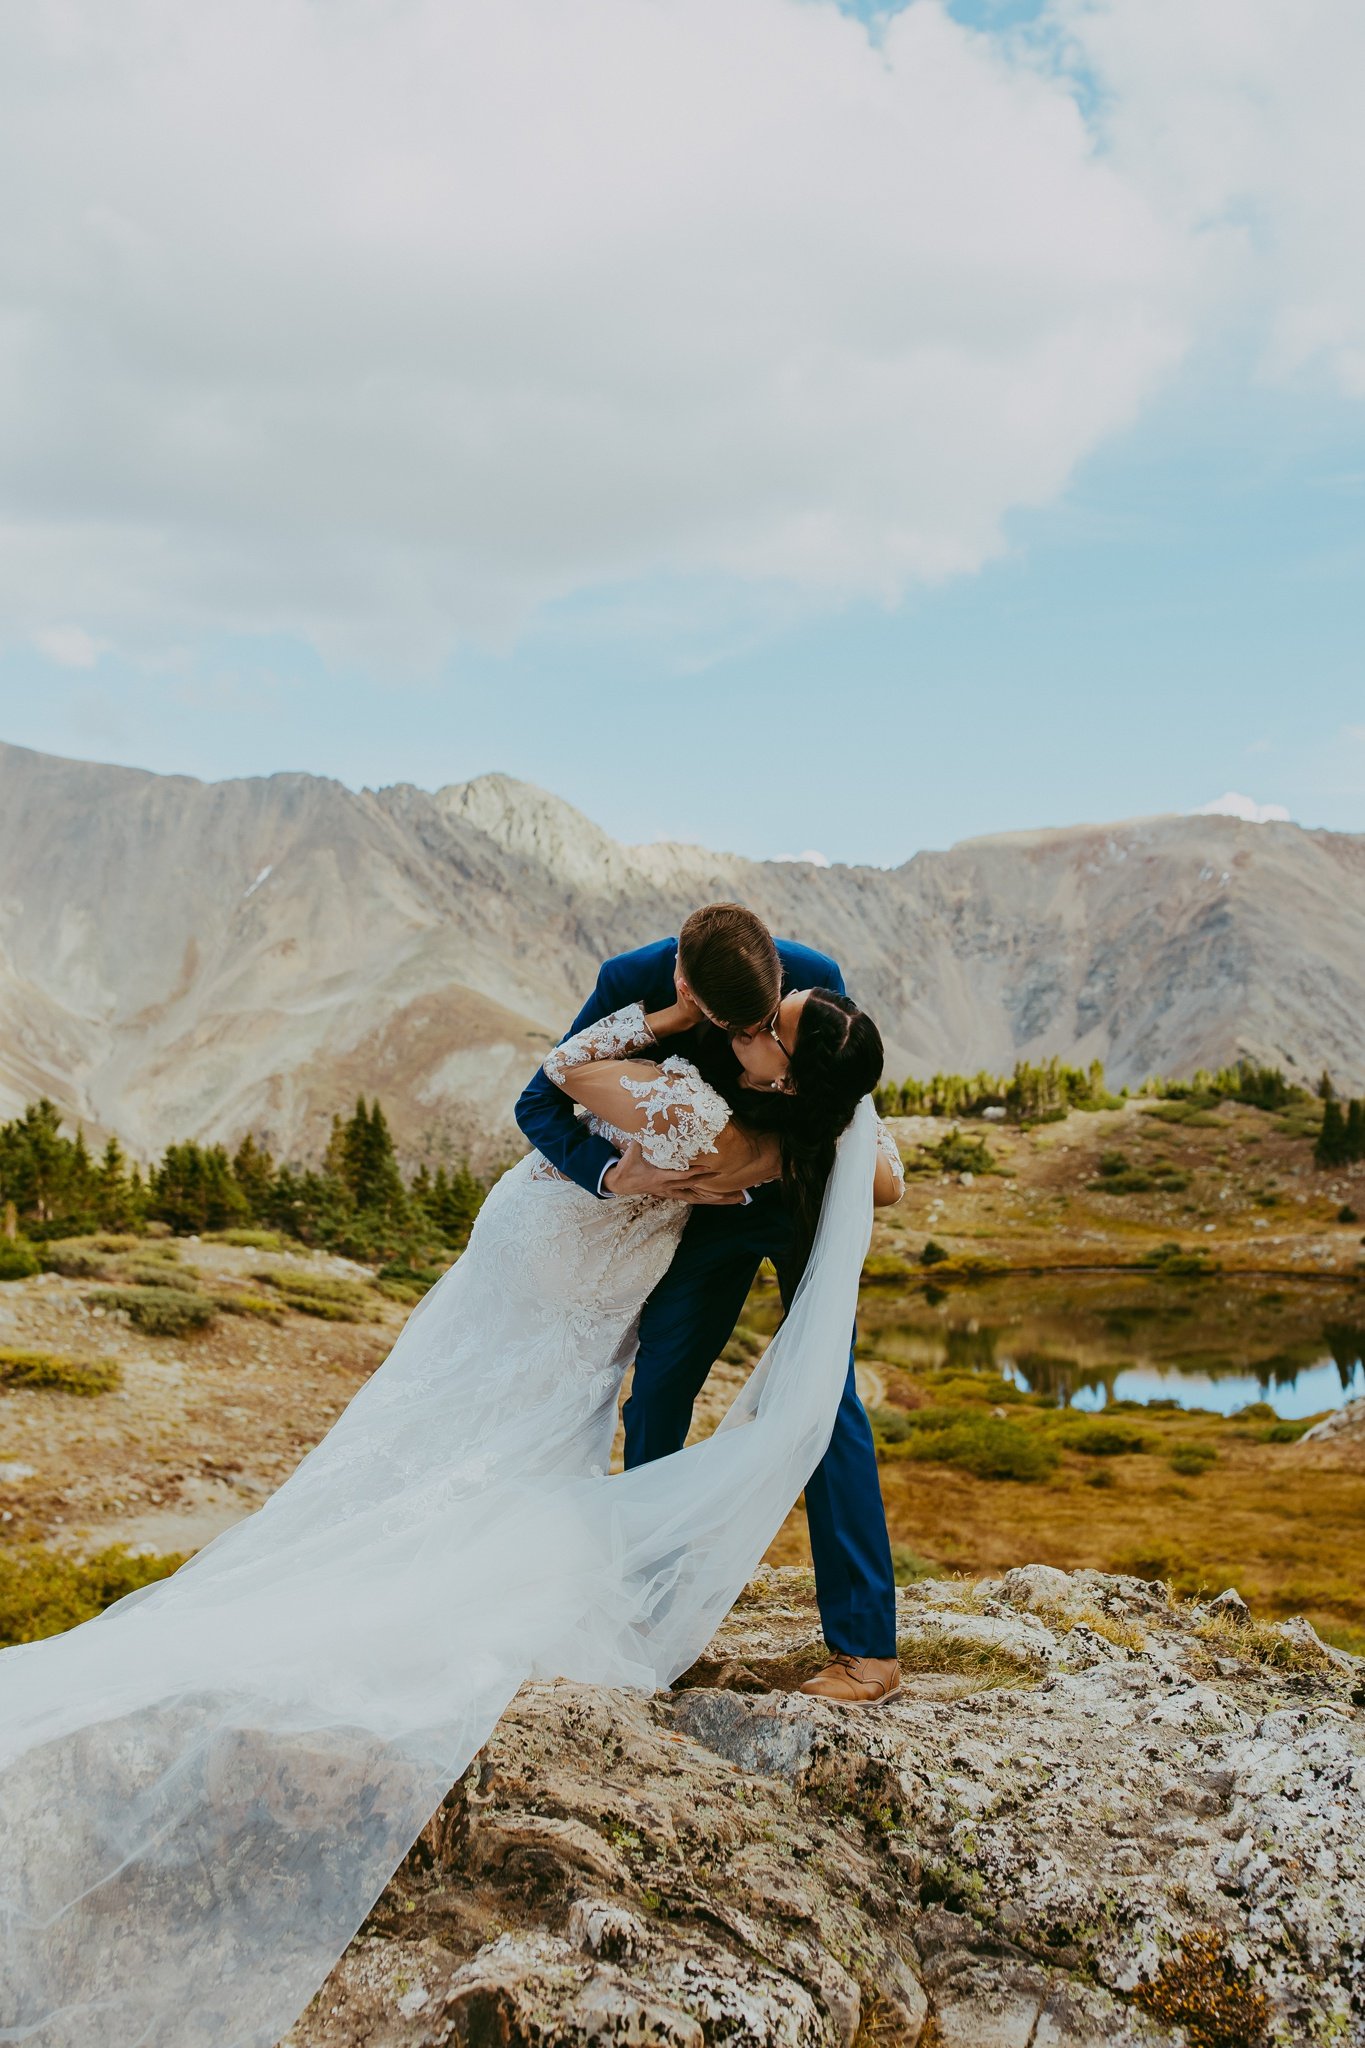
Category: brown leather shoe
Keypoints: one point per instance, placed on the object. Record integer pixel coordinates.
(856, 1681)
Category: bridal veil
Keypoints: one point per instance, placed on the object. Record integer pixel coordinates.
(203, 1791)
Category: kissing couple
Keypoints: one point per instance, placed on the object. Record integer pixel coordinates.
(204, 1790)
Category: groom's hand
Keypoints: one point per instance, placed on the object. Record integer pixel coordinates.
(633, 1175)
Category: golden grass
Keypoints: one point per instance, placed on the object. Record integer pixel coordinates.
(1124, 1635)
(1287, 1532)
(987, 1665)
(1259, 1642)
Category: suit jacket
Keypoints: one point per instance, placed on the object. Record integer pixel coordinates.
(546, 1115)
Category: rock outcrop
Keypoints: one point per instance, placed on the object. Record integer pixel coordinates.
(1093, 1816)
(1344, 1425)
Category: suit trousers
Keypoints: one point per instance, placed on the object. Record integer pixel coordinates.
(685, 1325)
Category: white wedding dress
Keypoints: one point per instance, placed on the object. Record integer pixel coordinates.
(203, 1791)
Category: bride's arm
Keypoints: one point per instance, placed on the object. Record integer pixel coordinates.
(683, 1125)
(888, 1183)
(670, 1116)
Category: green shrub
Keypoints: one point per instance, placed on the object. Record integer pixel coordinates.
(160, 1311)
(909, 1567)
(250, 1305)
(883, 1269)
(1101, 1477)
(75, 1258)
(890, 1425)
(1118, 1176)
(1191, 1459)
(981, 1445)
(957, 1153)
(1285, 1432)
(1103, 1439)
(49, 1369)
(1173, 1261)
(156, 1273)
(408, 1280)
(19, 1260)
(42, 1592)
(933, 1254)
(1191, 1112)
(249, 1240)
(318, 1294)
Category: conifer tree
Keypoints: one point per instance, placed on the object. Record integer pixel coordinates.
(1330, 1149)
(1353, 1145)
(114, 1196)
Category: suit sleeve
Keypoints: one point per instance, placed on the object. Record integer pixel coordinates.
(803, 967)
(836, 975)
(545, 1115)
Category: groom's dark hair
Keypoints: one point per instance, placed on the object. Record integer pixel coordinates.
(728, 955)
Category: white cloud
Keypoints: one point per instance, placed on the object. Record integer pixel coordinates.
(1233, 805)
(810, 857)
(1240, 120)
(68, 646)
(380, 323)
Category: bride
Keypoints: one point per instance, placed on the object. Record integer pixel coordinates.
(203, 1791)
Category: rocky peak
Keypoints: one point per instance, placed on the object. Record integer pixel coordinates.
(535, 827)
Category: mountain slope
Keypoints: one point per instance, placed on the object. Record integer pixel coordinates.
(180, 958)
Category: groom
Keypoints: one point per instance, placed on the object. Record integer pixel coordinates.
(726, 959)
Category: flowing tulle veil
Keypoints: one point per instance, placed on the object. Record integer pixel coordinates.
(203, 1792)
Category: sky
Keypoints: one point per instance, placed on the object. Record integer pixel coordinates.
(786, 426)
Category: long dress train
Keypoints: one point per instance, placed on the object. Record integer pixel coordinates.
(203, 1791)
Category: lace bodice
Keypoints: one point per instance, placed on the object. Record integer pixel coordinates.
(683, 1115)
(890, 1151)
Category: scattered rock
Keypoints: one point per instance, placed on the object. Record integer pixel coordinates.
(1038, 1585)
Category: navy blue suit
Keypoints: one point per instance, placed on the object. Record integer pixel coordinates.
(688, 1318)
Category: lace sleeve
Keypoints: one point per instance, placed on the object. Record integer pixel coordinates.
(683, 1115)
(611, 1038)
(890, 1152)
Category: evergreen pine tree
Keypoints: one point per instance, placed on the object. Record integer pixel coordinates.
(253, 1169)
(1354, 1138)
(334, 1159)
(113, 1196)
(1330, 1149)
(456, 1201)
(224, 1202)
(355, 1152)
(386, 1191)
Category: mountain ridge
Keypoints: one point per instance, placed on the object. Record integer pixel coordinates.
(185, 958)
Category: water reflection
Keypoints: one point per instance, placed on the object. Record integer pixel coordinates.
(1087, 1340)
(1290, 1388)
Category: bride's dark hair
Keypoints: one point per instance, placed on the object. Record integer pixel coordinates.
(835, 1061)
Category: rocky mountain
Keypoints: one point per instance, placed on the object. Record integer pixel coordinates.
(1094, 1818)
(180, 958)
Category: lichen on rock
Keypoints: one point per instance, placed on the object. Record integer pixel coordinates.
(1092, 1816)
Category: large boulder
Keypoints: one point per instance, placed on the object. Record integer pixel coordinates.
(1092, 1812)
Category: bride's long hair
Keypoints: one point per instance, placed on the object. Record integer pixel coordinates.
(836, 1060)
